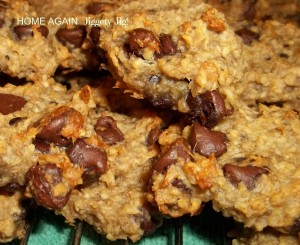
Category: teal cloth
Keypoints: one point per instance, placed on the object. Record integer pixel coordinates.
(208, 228)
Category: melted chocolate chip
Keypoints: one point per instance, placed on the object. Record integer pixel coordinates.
(23, 31)
(51, 130)
(246, 174)
(11, 103)
(167, 45)
(207, 142)
(44, 178)
(74, 36)
(208, 108)
(97, 7)
(247, 35)
(175, 151)
(43, 30)
(108, 130)
(141, 38)
(15, 121)
(41, 145)
(153, 135)
(92, 159)
(165, 101)
(9, 189)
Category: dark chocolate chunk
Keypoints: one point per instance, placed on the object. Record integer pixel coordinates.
(153, 135)
(11, 103)
(167, 45)
(108, 130)
(74, 36)
(23, 31)
(44, 178)
(207, 142)
(175, 151)
(92, 159)
(51, 128)
(43, 30)
(208, 108)
(246, 174)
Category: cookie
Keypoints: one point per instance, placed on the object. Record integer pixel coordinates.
(249, 168)
(12, 215)
(22, 110)
(145, 55)
(115, 204)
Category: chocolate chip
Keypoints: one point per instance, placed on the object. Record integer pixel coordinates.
(107, 129)
(52, 126)
(11, 103)
(41, 145)
(163, 101)
(15, 120)
(208, 108)
(167, 45)
(246, 174)
(23, 31)
(207, 142)
(180, 185)
(247, 35)
(74, 36)
(153, 135)
(10, 189)
(175, 151)
(294, 18)
(92, 159)
(97, 7)
(44, 178)
(249, 9)
(141, 38)
(43, 30)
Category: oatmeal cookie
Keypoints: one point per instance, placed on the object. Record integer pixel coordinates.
(12, 215)
(173, 61)
(115, 204)
(21, 112)
(255, 178)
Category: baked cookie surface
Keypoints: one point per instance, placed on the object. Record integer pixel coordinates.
(255, 177)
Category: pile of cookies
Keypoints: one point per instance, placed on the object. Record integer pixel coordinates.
(121, 113)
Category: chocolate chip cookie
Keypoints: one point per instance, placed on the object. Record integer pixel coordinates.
(115, 203)
(32, 117)
(246, 165)
(173, 61)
